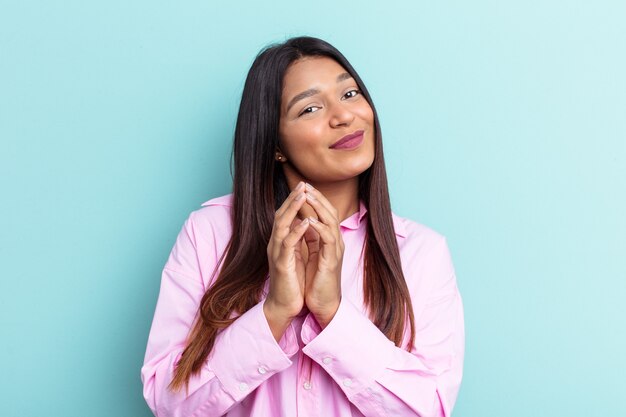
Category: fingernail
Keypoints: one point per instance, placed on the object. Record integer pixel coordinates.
(299, 197)
(310, 197)
(312, 220)
(300, 185)
(309, 186)
(305, 221)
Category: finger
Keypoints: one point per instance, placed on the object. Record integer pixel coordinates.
(324, 214)
(284, 219)
(331, 209)
(295, 223)
(306, 211)
(328, 240)
(292, 196)
(283, 225)
(279, 231)
(330, 221)
(292, 241)
(317, 194)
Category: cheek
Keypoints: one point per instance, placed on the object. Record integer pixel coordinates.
(302, 137)
(295, 145)
(366, 113)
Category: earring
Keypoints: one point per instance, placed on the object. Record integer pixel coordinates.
(280, 158)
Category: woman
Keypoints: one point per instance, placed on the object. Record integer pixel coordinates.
(301, 293)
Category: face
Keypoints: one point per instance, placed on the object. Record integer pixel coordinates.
(321, 104)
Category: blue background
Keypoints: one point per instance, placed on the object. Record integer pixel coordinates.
(504, 126)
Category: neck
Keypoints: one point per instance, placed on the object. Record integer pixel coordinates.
(343, 195)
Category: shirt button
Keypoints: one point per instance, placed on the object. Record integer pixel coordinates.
(327, 360)
(262, 370)
(347, 382)
(243, 386)
(307, 385)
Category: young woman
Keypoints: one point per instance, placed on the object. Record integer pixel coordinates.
(301, 293)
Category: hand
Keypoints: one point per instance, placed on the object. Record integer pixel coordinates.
(293, 178)
(323, 269)
(286, 266)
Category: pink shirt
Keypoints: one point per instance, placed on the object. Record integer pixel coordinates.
(349, 368)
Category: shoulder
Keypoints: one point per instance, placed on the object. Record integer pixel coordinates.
(415, 235)
(204, 237)
(210, 226)
(424, 252)
(427, 264)
(215, 213)
(221, 201)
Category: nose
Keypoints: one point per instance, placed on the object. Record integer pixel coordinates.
(340, 115)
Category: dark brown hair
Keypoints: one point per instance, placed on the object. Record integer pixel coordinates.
(259, 189)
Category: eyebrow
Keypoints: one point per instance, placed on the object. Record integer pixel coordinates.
(313, 91)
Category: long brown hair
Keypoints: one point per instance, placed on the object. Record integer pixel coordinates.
(260, 187)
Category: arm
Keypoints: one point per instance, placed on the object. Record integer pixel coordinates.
(245, 354)
(381, 379)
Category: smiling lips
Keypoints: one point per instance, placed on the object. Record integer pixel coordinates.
(349, 141)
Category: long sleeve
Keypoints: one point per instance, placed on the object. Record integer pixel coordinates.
(245, 354)
(381, 379)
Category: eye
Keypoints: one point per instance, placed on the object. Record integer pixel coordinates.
(352, 93)
(305, 111)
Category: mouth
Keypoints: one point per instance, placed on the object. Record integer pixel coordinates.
(349, 141)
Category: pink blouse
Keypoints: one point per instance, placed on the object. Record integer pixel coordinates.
(349, 368)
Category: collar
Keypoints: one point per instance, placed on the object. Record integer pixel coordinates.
(353, 222)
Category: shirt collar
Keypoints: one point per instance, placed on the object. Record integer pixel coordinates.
(353, 222)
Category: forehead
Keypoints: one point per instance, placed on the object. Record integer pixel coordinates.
(310, 72)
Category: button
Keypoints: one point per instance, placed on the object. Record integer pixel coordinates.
(243, 386)
(327, 360)
(307, 385)
(262, 370)
(347, 382)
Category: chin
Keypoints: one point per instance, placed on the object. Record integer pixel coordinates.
(358, 167)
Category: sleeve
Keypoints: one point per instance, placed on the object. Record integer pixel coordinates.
(244, 355)
(381, 379)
